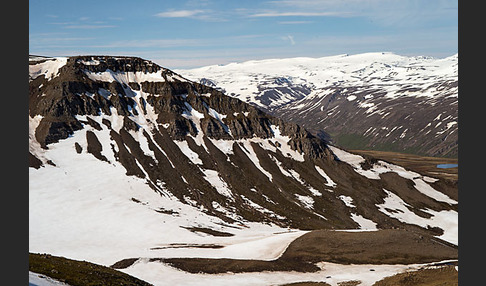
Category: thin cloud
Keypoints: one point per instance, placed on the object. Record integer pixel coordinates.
(290, 39)
(202, 15)
(294, 22)
(89, 27)
(396, 13)
(179, 13)
(155, 43)
(298, 14)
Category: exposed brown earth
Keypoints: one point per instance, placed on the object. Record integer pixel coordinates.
(387, 246)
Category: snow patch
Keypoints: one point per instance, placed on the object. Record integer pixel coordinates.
(364, 223)
(347, 200)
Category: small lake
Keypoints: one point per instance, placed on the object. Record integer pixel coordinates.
(447, 166)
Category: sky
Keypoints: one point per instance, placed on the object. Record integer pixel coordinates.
(192, 33)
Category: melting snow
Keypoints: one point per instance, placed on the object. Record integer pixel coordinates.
(395, 207)
(49, 68)
(347, 200)
(125, 77)
(364, 223)
(36, 279)
(193, 156)
(307, 202)
(384, 167)
(218, 183)
(330, 182)
(331, 273)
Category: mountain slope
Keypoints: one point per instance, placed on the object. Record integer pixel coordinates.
(129, 159)
(378, 101)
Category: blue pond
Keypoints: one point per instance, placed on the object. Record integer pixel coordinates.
(446, 166)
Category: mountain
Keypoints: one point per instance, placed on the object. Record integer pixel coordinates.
(132, 163)
(378, 101)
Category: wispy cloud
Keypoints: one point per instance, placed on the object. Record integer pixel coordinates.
(206, 15)
(84, 23)
(155, 43)
(179, 13)
(298, 14)
(290, 39)
(294, 22)
(397, 13)
(89, 27)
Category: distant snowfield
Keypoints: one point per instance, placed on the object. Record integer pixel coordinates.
(387, 71)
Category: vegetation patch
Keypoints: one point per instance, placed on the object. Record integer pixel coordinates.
(79, 273)
(442, 276)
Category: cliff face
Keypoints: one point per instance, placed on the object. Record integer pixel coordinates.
(74, 92)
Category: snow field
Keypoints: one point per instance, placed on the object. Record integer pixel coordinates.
(331, 273)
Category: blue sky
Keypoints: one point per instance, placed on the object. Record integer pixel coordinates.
(192, 33)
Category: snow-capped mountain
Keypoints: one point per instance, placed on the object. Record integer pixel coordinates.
(131, 160)
(379, 101)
